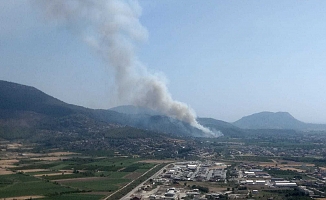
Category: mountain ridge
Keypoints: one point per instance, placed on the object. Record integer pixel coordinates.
(28, 109)
(275, 120)
(18, 101)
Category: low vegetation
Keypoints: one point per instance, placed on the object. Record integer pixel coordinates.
(74, 177)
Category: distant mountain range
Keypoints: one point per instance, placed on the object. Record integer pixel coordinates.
(25, 111)
(278, 120)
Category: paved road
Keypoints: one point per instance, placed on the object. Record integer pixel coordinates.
(127, 196)
(195, 172)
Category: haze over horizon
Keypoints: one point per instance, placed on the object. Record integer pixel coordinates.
(225, 59)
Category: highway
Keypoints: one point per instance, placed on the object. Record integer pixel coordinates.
(127, 196)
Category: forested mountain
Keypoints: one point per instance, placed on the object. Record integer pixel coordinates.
(24, 109)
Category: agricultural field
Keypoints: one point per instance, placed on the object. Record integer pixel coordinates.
(66, 175)
(16, 185)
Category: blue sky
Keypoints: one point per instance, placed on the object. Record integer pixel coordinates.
(226, 59)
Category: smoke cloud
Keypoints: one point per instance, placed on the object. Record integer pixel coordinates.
(112, 28)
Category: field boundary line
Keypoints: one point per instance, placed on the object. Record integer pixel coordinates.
(130, 182)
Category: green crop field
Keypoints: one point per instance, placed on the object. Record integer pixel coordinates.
(87, 175)
(112, 174)
(23, 185)
(74, 197)
(61, 166)
(41, 172)
(65, 176)
(104, 184)
(38, 165)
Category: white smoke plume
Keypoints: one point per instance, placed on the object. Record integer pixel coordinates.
(112, 28)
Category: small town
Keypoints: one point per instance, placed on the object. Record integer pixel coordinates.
(210, 180)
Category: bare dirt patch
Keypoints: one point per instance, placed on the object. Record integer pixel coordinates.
(8, 163)
(267, 164)
(54, 174)
(121, 169)
(63, 153)
(286, 164)
(29, 155)
(5, 171)
(292, 168)
(14, 146)
(50, 158)
(34, 170)
(212, 186)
